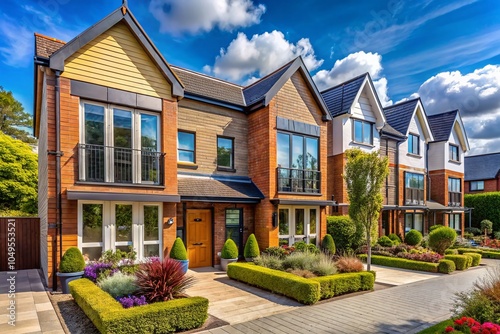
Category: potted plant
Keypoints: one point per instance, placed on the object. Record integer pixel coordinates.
(178, 252)
(251, 250)
(229, 254)
(70, 268)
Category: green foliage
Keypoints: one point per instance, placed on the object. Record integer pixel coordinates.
(324, 266)
(118, 255)
(13, 118)
(384, 241)
(486, 226)
(451, 251)
(474, 230)
(72, 261)
(446, 266)
(413, 237)
(435, 227)
(461, 261)
(441, 239)
(438, 328)
(497, 235)
(469, 250)
(302, 246)
(304, 290)
(365, 175)
(491, 255)
(396, 240)
(340, 284)
(16, 213)
(486, 206)
(18, 175)
(476, 259)
(403, 263)
(178, 251)
(251, 247)
(269, 261)
(343, 231)
(164, 317)
(300, 260)
(328, 245)
(275, 251)
(229, 250)
(119, 285)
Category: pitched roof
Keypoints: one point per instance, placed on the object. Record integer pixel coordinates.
(482, 167)
(45, 46)
(339, 99)
(257, 91)
(442, 124)
(399, 115)
(389, 130)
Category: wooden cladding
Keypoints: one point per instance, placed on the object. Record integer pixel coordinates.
(19, 243)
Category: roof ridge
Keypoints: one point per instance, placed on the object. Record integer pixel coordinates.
(346, 82)
(443, 113)
(481, 155)
(270, 74)
(401, 103)
(53, 39)
(206, 75)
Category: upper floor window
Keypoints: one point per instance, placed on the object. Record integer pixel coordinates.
(454, 191)
(454, 156)
(414, 188)
(476, 185)
(363, 132)
(119, 145)
(225, 152)
(414, 144)
(298, 164)
(186, 147)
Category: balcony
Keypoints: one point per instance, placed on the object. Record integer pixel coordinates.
(299, 180)
(108, 164)
(454, 199)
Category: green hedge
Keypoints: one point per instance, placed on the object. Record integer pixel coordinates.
(486, 206)
(491, 255)
(402, 263)
(476, 259)
(462, 262)
(451, 251)
(335, 285)
(469, 250)
(446, 266)
(109, 316)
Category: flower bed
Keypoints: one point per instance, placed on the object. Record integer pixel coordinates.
(163, 317)
(470, 325)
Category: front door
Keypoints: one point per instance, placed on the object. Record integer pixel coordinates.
(199, 238)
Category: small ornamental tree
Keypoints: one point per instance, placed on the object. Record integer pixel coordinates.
(178, 251)
(365, 174)
(251, 247)
(229, 250)
(486, 226)
(328, 245)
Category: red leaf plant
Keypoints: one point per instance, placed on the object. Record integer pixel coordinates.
(162, 281)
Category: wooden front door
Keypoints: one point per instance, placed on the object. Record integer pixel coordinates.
(199, 238)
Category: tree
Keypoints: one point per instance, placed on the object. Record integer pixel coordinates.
(486, 226)
(365, 174)
(18, 175)
(13, 116)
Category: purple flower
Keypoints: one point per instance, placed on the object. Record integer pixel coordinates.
(130, 301)
(92, 270)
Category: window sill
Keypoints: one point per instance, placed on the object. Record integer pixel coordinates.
(362, 144)
(188, 165)
(456, 162)
(112, 184)
(298, 193)
(414, 155)
(226, 169)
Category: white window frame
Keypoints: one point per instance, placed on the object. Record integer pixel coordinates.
(477, 183)
(308, 234)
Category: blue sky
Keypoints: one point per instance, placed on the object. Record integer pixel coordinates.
(446, 52)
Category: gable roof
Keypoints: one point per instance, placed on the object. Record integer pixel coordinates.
(399, 116)
(45, 46)
(339, 99)
(482, 167)
(443, 124)
(57, 59)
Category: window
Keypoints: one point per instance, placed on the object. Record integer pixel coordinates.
(297, 224)
(119, 225)
(454, 156)
(413, 144)
(454, 221)
(454, 192)
(234, 227)
(186, 147)
(476, 185)
(414, 189)
(363, 132)
(225, 153)
(414, 221)
(119, 145)
(298, 164)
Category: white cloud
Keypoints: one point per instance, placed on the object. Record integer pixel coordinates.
(16, 49)
(194, 16)
(249, 59)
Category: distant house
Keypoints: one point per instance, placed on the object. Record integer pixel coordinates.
(482, 173)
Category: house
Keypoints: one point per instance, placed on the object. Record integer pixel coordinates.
(135, 152)
(482, 173)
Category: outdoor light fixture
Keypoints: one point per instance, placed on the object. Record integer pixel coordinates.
(275, 219)
(170, 221)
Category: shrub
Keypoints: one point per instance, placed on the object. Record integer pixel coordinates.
(424, 257)
(94, 271)
(451, 251)
(116, 257)
(441, 239)
(349, 263)
(469, 250)
(110, 317)
(396, 240)
(486, 206)
(384, 241)
(178, 251)
(119, 285)
(413, 237)
(461, 261)
(340, 284)
(328, 245)
(302, 246)
(476, 258)
(435, 227)
(324, 266)
(473, 230)
(299, 260)
(275, 251)
(269, 261)
(446, 266)
(251, 247)
(229, 250)
(486, 226)
(72, 261)
(491, 255)
(343, 231)
(161, 281)
(402, 263)
(301, 273)
(497, 235)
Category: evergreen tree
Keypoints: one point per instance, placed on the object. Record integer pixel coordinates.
(13, 117)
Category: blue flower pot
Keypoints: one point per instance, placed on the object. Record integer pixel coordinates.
(184, 264)
(65, 278)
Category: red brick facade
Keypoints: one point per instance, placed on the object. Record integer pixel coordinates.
(489, 185)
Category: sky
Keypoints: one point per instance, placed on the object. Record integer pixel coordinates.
(447, 52)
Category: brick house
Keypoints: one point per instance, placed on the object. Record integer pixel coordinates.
(482, 173)
(134, 152)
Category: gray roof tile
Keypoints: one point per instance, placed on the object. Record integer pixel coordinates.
(481, 167)
(257, 91)
(208, 188)
(339, 99)
(442, 124)
(399, 115)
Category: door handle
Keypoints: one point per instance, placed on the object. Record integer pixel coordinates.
(197, 244)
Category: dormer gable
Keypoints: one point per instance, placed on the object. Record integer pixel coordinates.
(447, 124)
(400, 115)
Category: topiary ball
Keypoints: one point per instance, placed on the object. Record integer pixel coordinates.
(178, 251)
(251, 247)
(384, 241)
(72, 261)
(441, 239)
(413, 238)
(434, 227)
(396, 240)
(229, 250)
(328, 245)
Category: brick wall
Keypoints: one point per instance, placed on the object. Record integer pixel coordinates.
(489, 185)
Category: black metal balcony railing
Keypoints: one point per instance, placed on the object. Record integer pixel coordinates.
(99, 160)
(454, 199)
(299, 180)
(414, 196)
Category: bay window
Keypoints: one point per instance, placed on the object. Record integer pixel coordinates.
(454, 191)
(414, 189)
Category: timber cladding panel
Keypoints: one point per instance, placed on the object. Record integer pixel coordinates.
(116, 59)
(19, 243)
(208, 122)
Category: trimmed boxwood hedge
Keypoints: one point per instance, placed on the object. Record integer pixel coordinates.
(469, 250)
(446, 266)
(476, 258)
(109, 316)
(335, 285)
(402, 263)
(491, 255)
(462, 262)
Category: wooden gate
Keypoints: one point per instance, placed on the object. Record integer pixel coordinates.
(19, 243)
